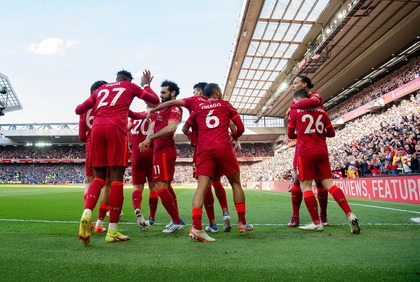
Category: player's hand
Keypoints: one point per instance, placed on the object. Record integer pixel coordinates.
(146, 78)
(238, 146)
(144, 145)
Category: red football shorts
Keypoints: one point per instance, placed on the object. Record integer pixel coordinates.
(164, 164)
(141, 169)
(109, 146)
(313, 167)
(88, 162)
(222, 159)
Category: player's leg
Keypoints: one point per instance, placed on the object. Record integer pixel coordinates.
(239, 201)
(91, 200)
(322, 195)
(116, 199)
(341, 200)
(153, 203)
(220, 192)
(103, 207)
(196, 231)
(307, 172)
(138, 173)
(311, 205)
(297, 196)
(163, 172)
(209, 206)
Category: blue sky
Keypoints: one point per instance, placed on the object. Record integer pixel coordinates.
(52, 51)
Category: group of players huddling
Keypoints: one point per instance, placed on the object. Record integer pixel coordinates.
(107, 125)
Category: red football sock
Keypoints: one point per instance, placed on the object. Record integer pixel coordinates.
(93, 193)
(102, 211)
(312, 206)
(172, 191)
(116, 199)
(340, 198)
(220, 192)
(240, 209)
(169, 204)
(197, 215)
(153, 203)
(322, 195)
(296, 200)
(136, 198)
(209, 206)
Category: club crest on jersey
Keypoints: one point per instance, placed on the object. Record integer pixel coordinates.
(176, 110)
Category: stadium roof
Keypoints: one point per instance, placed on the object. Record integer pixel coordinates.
(335, 43)
(8, 99)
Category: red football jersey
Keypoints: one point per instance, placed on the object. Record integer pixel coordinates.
(212, 118)
(138, 134)
(85, 125)
(112, 101)
(311, 126)
(191, 104)
(163, 117)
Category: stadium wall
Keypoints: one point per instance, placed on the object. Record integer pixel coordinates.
(405, 189)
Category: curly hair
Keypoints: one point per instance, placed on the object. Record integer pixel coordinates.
(125, 75)
(96, 85)
(172, 86)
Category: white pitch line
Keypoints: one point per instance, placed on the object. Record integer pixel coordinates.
(384, 208)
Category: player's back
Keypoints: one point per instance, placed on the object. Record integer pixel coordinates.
(191, 103)
(112, 102)
(138, 134)
(212, 119)
(310, 125)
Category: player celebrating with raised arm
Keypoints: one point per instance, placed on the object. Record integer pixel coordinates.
(214, 150)
(311, 126)
(165, 152)
(110, 146)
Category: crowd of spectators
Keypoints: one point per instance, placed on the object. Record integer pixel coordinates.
(404, 74)
(50, 152)
(42, 173)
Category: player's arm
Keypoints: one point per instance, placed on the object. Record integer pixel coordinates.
(291, 127)
(240, 128)
(149, 96)
(129, 124)
(186, 128)
(167, 104)
(311, 102)
(85, 106)
(329, 128)
(233, 129)
(82, 128)
(166, 131)
(137, 115)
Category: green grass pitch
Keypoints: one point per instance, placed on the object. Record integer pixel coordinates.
(39, 225)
